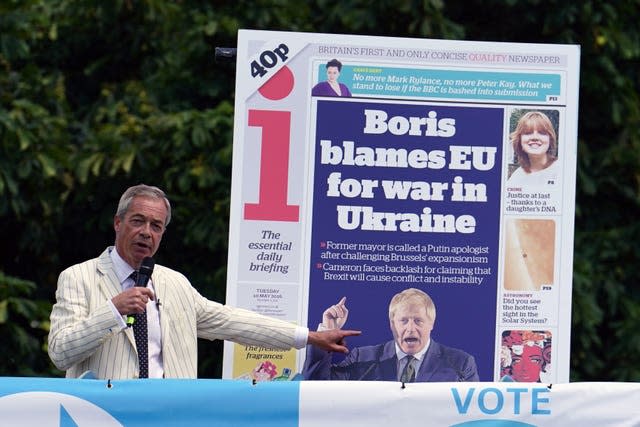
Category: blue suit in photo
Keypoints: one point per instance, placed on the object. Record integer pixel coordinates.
(380, 363)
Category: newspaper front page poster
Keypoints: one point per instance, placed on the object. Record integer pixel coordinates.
(367, 166)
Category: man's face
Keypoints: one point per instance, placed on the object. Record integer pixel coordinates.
(139, 233)
(411, 327)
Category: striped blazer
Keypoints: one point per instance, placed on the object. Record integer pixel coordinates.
(85, 335)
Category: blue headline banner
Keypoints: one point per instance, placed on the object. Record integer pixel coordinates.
(452, 84)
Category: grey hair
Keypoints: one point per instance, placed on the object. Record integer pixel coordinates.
(413, 294)
(142, 190)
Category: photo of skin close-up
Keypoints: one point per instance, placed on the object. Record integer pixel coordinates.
(529, 254)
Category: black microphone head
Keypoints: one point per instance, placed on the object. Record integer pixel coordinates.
(147, 265)
(144, 273)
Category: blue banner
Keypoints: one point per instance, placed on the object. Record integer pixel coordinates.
(65, 403)
(43, 402)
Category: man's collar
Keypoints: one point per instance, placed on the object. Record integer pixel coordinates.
(419, 355)
(122, 269)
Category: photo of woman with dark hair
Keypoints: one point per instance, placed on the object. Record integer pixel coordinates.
(331, 87)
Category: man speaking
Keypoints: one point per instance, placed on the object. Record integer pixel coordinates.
(112, 322)
(411, 356)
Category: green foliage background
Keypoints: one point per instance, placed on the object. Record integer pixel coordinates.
(99, 95)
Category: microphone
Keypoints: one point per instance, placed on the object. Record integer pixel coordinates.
(144, 273)
(142, 278)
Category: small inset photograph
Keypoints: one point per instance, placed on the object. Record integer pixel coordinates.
(525, 356)
(533, 148)
(529, 256)
(331, 86)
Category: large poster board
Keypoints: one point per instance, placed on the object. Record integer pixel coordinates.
(406, 176)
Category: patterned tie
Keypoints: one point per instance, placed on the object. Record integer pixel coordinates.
(409, 372)
(142, 340)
